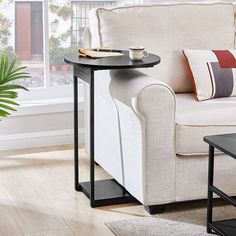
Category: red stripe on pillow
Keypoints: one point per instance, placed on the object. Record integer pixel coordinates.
(191, 75)
(225, 58)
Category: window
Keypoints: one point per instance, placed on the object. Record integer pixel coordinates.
(79, 19)
(39, 33)
(27, 40)
(38, 37)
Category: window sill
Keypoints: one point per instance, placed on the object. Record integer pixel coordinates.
(46, 106)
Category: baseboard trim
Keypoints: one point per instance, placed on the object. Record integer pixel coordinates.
(39, 139)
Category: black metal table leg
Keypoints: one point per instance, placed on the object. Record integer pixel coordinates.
(210, 184)
(101, 192)
(92, 187)
(76, 142)
(226, 144)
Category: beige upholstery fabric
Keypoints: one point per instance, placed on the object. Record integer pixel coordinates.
(165, 29)
(195, 119)
(146, 110)
(191, 176)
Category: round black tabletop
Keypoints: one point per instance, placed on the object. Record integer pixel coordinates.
(120, 62)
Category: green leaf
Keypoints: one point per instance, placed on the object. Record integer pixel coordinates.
(6, 107)
(12, 87)
(8, 94)
(4, 113)
(18, 69)
(16, 77)
(2, 68)
(9, 102)
(10, 72)
(6, 66)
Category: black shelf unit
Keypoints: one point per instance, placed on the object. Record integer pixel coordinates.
(226, 144)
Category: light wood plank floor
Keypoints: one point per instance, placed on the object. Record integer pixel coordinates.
(37, 196)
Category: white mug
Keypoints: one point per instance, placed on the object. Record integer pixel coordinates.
(137, 53)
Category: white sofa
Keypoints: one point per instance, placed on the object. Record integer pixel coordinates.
(149, 127)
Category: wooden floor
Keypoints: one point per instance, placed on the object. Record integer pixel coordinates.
(37, 196)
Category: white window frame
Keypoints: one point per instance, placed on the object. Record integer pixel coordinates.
(47, 91)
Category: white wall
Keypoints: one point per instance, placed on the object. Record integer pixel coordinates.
(40, 124)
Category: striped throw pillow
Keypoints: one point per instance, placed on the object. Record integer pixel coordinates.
(213, 72)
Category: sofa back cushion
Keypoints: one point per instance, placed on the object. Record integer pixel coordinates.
(165, 29)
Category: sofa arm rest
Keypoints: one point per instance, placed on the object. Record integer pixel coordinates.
(153, 104)
(129, 87)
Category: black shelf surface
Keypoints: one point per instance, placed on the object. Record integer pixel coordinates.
(121, 62)
(224, 142)
(224, 227)
(107, 192)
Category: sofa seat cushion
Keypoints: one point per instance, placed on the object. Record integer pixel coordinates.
(194, 120)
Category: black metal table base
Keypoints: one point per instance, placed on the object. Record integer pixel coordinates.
(107, 192)
(223, 227)
(102, 192)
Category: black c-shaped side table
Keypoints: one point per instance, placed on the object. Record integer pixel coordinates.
(102, 192)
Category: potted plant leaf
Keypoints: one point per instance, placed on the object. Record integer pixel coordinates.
(66, 35)
(53, 8)
(54, 42)
(55, 52)
(68, 51)
(5, 33)
(60, 59)
(53, 59)
(65, 11)
(54, 25)
(9, 73)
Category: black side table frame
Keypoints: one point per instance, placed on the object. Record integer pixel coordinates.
(102, 192)
(223, 227)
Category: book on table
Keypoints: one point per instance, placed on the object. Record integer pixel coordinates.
(99, 52)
